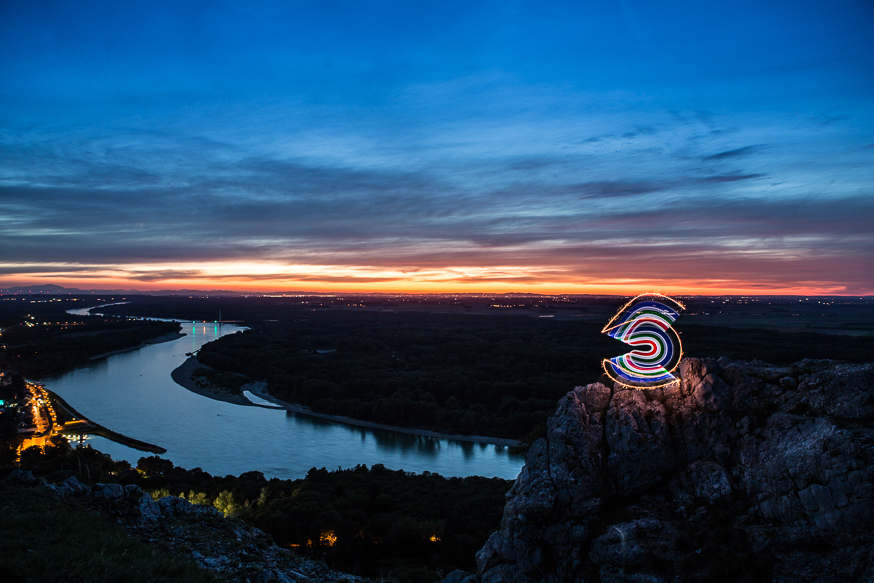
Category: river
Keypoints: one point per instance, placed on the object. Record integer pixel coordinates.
(132, 393)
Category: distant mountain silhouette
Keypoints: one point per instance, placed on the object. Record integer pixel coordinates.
(52, 289)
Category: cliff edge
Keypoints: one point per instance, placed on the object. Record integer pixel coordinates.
(743, 472)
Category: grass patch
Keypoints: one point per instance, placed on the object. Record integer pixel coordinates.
(43, 539)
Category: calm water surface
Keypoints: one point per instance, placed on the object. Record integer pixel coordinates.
(132, 393)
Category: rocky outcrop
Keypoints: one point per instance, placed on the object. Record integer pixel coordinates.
(227, 547)
(743, 472)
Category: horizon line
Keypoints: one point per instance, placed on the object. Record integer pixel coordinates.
(27, 290)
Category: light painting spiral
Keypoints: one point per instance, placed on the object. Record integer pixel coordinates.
(646, 324)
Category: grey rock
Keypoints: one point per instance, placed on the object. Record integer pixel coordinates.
(108, 491)
(738, 454)
(69, 487)
(225, 547)
(706, 480)
(148, 509)
(640, 454)
(504, 574)
(456, 576)
(74, 486)
(632, 544)
(133, 492)
(611, 574)
(23, 477)
(788, 383)
(273, 576)
(175, 506)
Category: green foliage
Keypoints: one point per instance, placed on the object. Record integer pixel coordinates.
(264, 496)
(382, 519)
(154, 466)
(159, 493)
(227, 504)
(197, 498)
(43, 539)
(359, 520)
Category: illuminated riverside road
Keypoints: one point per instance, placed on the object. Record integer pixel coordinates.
(132, 393)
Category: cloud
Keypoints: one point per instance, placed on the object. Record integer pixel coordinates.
(736, 153)
(555, 208)
(162, 274)
(727, 178)
(621, 188)
(614, 188)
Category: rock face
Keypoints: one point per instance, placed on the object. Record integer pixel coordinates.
(227, 547)
(743, 472)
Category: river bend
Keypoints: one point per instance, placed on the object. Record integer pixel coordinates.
(132, 393)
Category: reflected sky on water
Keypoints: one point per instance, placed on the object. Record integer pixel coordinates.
(132, 393)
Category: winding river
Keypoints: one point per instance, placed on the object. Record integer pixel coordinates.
(132, 393)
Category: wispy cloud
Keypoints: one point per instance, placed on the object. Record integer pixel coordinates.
(736, 153)
(480, 148)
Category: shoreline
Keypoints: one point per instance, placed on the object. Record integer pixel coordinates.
(182, 376)
(92, 428)
(168, 337)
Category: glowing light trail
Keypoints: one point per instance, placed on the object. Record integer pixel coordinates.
(646, 324)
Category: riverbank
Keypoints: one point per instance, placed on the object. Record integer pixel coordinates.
(182, 376)
(169, 337)
(74, 423)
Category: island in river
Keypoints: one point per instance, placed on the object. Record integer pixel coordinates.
(456, 373)
(186, 376)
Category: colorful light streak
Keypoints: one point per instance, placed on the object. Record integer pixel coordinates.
(646, 323)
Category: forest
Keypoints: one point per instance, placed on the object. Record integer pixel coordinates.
(381, 523)
(477, 371)
(497, 375)
(39, 338)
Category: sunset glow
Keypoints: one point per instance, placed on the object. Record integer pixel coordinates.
(276, 278)
(608, 148)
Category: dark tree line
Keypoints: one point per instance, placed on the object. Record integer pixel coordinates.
(488, 375)
(497, 376)
(40, 339)
(373, 521)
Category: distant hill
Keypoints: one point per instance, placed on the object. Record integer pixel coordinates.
(52, 289)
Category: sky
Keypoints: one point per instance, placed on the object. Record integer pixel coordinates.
(542, 147)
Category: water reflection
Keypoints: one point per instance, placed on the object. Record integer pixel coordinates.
(133, 393)
(394, 441)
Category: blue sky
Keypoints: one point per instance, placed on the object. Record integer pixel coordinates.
(578, 146)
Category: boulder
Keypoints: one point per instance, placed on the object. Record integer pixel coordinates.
(113, 492)
(22, 477)
(742, 471)
(72, 487)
